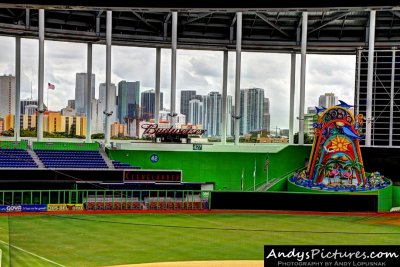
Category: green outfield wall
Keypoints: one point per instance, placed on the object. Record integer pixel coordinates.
(13, 144)
(396, 196)
(65, 146)
(386, 196)
(222, 168)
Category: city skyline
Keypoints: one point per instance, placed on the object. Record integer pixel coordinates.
(199, 70)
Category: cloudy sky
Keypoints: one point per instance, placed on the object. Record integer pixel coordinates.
(196, 70)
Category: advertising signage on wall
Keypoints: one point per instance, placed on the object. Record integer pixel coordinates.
(152, 130)
(152, 176)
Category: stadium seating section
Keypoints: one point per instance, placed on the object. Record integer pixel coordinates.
(86, 159)
(16, 158)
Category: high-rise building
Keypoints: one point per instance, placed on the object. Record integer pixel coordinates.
(71, 103)
(212, 114)
(80, 88)
(7, 95)
(128, 100)
(195, 112)
(30, 110)
(266, 116)
(309, 119)
(113, 101)
(212, 108)
(328, 100)
(251, 109)
(186, 96)
(148, 104)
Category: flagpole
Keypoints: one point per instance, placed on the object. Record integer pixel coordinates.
(254, 175)
(242, 180)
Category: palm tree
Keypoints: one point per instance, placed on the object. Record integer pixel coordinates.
(334, 162)
(351, 165)
(324, 169)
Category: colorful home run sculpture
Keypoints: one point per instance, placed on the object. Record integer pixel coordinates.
(335, 161)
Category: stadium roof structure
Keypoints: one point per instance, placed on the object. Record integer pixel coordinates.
(208, 24)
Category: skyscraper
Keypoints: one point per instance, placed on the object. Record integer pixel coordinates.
(251, 109)
(128, 100)
(309, 119)
(80, 88)
(71, 103)
(212, 108)
(148, 104)
(195, 112)
(328, 100)
(7, 95)
(266, 116)
(113, 101)
(186, 96)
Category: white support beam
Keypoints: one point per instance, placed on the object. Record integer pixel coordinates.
(357, 102)
(392, 78)
(88, 94)
(109, 106)
(17, 120)
(224, 98)
(370, 76)
(237, 75)
(173, 67)
(158, 83)
(292, 93)
(40, 77)
(303, 76)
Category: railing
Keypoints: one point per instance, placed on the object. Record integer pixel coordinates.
(112, 199)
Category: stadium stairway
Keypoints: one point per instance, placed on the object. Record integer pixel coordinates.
(109, 163)
(35, 158)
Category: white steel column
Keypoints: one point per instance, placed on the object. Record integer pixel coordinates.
(237, 75)
(108, 78)
(292, 93)
(173, 66)
(88, 94)
(158, 79)
(392, 97)
(17, 120)
(303, 76)
(224, 98)
(40, 77)
(357, 103)
(370, 76)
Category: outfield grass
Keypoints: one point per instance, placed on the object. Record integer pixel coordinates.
(111, 239)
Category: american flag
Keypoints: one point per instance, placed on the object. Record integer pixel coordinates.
(51, 86)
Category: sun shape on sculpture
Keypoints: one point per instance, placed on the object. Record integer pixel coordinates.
(339, 144)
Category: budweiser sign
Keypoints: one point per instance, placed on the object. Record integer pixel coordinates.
(152, 129)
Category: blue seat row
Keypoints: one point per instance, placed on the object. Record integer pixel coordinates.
(16, 158)
(71, 159)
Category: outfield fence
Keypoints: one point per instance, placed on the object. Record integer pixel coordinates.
(18, 200)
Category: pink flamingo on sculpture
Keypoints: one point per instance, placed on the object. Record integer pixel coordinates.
(333, 173)
(348, 174)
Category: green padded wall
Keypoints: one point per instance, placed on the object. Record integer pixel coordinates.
(65, 146)
(396, 196)
(222, 168)
(13, 144)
